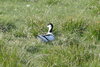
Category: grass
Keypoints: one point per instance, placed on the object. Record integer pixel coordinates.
(76, 28)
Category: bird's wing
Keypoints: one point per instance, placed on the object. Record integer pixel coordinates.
(43, 38)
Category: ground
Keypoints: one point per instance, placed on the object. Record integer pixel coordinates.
(76, 29)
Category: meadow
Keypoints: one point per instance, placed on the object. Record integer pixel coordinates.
(76, 28)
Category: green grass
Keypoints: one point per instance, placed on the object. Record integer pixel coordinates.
(76, 28)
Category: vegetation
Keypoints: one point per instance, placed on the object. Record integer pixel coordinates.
(76, 28)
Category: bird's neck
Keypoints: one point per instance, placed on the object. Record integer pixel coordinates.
(50, 30)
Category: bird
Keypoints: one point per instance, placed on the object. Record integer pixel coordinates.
(49, 36)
